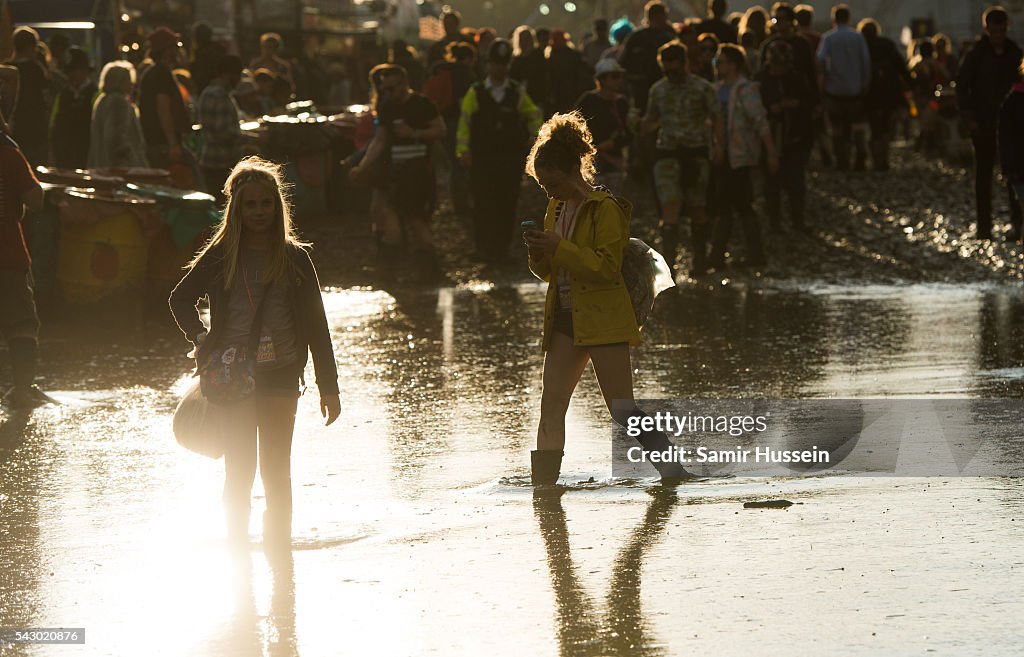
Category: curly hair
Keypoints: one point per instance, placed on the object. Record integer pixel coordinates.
(564, 143)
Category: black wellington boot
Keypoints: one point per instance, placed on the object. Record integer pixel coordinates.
(390, 258)
(670, 244)
(23, 361)
(656, 441)
(699, 235)
(545, 464)
(25, 394)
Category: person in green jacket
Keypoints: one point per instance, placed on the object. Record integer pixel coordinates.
(496, 123)
(588, 314)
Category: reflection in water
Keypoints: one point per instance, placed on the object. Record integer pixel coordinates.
(581, 632)
(23, 471)
(104, 521)
(270, 634)
(734, 342)
(1000, 343)
(452, 362)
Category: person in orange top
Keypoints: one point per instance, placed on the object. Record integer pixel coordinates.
(19, 322)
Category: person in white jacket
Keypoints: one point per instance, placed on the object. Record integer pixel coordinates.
(116, 138)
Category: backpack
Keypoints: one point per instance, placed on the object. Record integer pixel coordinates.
(645, 275)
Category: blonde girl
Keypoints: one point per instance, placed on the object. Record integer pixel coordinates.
(254, 262)
(588, 315)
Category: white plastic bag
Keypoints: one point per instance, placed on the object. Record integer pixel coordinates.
(646, 275)
(197, 424)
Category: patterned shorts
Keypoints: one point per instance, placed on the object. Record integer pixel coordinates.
(682, 179)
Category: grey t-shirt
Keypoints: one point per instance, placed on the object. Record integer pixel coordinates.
(277, 323)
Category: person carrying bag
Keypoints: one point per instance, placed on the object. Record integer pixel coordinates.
(266, 316)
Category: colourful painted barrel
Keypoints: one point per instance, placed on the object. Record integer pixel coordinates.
(187, 218)
(103, 249)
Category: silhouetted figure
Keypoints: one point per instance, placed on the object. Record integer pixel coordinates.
(889, 79)
(116, 139)
(19, 322)
(1011, 141)
(607, 111)
(264, 299)
(845, 68)
(30, 120)
(222, 135)
(72, 113)
(986, 75)
(497, 122)
(679, 107)
(716, 24)
(162, 111)
(529, 67)
(789, 100)
(640, 52)
(568, 76)
(747, 136)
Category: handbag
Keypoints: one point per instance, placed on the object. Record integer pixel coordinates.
(229, 376)
(197, 425)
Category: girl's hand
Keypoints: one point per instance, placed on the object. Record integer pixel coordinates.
(330, 408)
(544, 243)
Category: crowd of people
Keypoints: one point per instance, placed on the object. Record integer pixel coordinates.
(62, 114)
(713, 112)
(701, 110)
(709, 114)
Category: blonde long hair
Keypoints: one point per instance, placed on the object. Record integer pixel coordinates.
(253, 170)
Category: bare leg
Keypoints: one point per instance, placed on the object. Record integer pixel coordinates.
(239, 427)
(387, 220)
(276, 416)
(614, 375)
(563, 367)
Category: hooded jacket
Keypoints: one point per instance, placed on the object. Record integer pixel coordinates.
(601, 310)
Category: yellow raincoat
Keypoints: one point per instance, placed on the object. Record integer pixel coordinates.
(601, 310)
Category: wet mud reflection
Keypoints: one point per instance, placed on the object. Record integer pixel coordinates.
(413, 513)
(583, 630)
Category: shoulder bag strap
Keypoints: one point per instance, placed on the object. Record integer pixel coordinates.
(257, 323)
